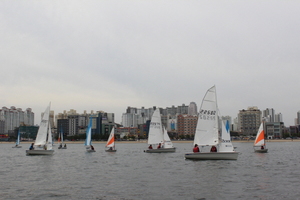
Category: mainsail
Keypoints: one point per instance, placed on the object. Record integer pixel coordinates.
(155, 130)
(207, 125)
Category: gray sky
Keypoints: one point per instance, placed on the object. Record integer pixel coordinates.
(107, 55)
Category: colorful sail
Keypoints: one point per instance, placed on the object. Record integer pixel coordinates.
(111, 139)
(260, 137)
(88, 140)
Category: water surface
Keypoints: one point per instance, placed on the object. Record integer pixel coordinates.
(132, 174)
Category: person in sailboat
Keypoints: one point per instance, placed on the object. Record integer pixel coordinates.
(150, 146)
(31, 147)
(60, 146)
(92, 147)
(262, 147)
(213, 149)
(196, 148)
(159, 146)
(110, 148)
(65, 145)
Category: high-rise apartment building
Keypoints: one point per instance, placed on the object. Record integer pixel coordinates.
(278, 117)
(138, 116)
(269, 115)
(72, 123)
(298, 118)
(192, 110)
(186, 124)
(249, 121)
(11, 118)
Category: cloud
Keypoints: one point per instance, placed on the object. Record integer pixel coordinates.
(107, 55)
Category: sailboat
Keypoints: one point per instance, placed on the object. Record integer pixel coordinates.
(111, 141)
(259, 142)
(207, 132)
(61, 140)
(43, 141)
(156, 136)
(18, 141)
(88, 141)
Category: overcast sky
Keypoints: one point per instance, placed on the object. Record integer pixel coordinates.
(107, 55)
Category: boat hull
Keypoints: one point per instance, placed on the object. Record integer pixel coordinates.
(261, 150)
(109, 150)
(17, 147)
(62, 147)
(39, 152)
(212, 156)
(161, 150)
(90, 150)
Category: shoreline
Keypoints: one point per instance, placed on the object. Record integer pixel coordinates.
(145, 141)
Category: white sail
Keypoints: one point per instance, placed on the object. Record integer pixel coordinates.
(260, 136)
(41, 137)
(155, 130)
(111, 139)
(18, 138)
(167, 141)
(207, 125)
(225, 145)
(49, 142)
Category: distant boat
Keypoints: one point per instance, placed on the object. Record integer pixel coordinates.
(88, 141)
(61, 140)
(111, 141)
(18, 140)
(259, 142)
(156, 136)
(207, 132)
(43, 141)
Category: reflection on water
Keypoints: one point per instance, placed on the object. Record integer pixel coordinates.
(132, 174)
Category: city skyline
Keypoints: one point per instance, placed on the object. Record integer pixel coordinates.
(37, 116)
(85, 56)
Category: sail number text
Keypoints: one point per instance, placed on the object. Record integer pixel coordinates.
(207, 114)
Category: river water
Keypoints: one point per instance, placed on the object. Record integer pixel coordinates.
(132, 174)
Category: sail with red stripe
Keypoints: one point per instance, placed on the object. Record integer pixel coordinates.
(111, 139)
(260, 137)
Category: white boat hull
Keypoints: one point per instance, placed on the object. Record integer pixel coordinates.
(39, 152)
(212, 156)
(161, 150)
(261, 150)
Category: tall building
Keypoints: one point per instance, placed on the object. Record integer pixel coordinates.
(298, 118)
(72, 123)
(186, 124)
(192, 110)
(138, 116)
(278, 117)
(249, 121)
(129, 119)
(11, 118)
(269, 114)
